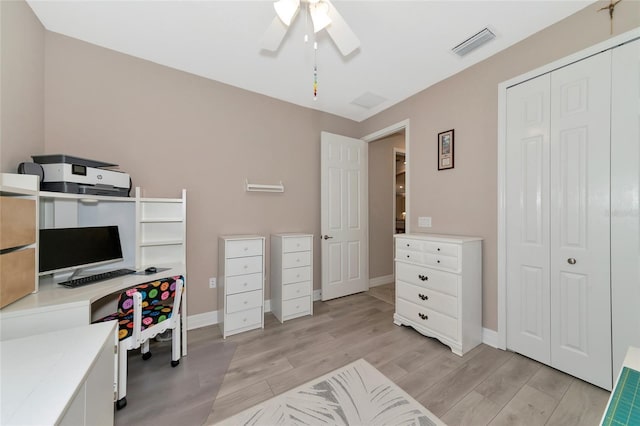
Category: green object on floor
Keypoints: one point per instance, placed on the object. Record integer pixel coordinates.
(624, 408)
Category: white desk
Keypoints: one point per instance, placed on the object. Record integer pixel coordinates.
(63, 377)
(55, 307)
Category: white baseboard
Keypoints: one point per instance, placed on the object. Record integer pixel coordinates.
(490, 337)
(374, 282)
(202, 320)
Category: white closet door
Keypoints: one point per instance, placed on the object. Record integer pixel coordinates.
(625, 200)
(580, 219)
(527, 187)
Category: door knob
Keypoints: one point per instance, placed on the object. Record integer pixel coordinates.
(571, 261)
(326, 237)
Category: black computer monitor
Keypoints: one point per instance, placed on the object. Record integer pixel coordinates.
(66, 249)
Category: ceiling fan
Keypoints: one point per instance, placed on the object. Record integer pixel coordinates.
(323, 16)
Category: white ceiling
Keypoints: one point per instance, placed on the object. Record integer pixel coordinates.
(405, 45)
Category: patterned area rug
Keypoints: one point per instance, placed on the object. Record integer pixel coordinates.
(356, 394)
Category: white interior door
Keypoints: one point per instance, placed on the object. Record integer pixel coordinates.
(344, 216)
(558, 218)
(527, 214)
(625, 201)
(580, 219)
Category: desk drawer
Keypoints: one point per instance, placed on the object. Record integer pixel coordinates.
(17, 222)
(296, 275)
(427, 318)
(241, 248)
(243, 301)
(17, 275)
(296, 259)
(243, 319)
(443, 282)
(244, 265)
(296, 244)
(242, 283)
(291, 291)
(296, 306)
(427, 298)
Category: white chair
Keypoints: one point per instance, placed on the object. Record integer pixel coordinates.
(144, 311)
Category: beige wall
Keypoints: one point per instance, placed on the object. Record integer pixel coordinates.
(463, 200)
(21, 85)
(381, 193)
(172, 130)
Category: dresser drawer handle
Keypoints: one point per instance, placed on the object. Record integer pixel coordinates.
(438, 261)
(438, 248)
(408, 245)
(423, 277)
(408, 256)
(245, 284)
(246, 248)
(423, 316)
(246, 266)
(246, 301)
(423, 297)
(297, 260)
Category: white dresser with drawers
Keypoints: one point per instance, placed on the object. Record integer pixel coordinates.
(291, 275)
(439, 287)
(240, 283)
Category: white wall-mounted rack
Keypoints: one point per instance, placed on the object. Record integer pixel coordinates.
(256, 187)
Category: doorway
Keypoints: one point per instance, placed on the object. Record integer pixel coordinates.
(387, 203)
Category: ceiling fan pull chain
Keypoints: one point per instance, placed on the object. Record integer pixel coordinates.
(315, 70)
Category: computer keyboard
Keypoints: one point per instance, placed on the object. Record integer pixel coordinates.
(77, 282)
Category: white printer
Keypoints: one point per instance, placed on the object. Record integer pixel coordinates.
(64, 173)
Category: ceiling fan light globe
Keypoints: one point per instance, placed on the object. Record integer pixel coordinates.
(287, 10)
(319, 15)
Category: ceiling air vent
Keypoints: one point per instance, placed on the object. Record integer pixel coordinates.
(473, 42)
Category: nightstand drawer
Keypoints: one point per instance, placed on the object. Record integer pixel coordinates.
(296, 244)
(291, 291)
(296, 259)
(443, 282)
(296, 275)
(242, 319)
(242, 283)
(427, 318)
(296, 306)
(241, 248)
(244, 265)
(430, 299)
(244, 301)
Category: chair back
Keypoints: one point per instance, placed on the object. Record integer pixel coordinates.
(151, 304)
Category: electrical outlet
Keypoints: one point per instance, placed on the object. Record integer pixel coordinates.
(212, 283)
(424, 221)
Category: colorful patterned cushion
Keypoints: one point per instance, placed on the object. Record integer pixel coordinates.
(154, 310)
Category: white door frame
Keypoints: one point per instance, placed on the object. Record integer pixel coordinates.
(502, 114)
(397, 151)
(389, 130)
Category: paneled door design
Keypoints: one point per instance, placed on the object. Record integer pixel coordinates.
(558, 261)
(344, 224)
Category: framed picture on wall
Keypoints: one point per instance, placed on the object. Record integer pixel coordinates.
(445, 150)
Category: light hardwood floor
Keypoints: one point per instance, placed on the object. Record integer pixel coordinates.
(486, 386)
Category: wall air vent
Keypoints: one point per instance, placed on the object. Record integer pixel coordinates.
(473, 42)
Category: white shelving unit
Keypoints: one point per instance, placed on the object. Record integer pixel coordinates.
(161, 230)
(152, 230)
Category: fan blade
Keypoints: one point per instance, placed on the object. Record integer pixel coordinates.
(340, 32)
(274, 35)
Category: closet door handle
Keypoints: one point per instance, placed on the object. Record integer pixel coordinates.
(571, 261)
(326, 237)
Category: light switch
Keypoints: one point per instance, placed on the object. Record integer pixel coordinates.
(212, 283)
(424, 221)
